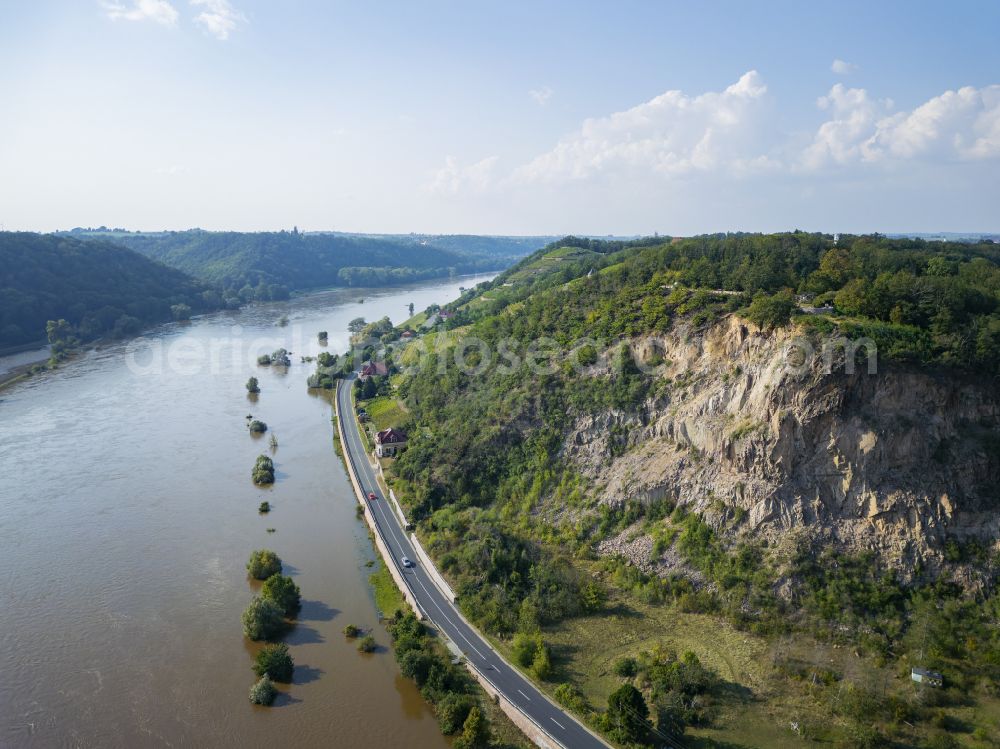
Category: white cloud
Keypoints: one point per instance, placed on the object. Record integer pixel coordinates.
(962, 124)
(841, 67)
(541, 95)
(673, 133)
(844, 136)
(219, 18)
(454, 178)
(172, 170)
(159, 11)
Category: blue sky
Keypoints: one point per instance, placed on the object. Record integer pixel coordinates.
(500, 117)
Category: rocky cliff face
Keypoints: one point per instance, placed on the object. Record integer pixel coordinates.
(754, 433)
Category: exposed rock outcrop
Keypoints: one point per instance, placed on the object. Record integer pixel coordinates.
(897, 461)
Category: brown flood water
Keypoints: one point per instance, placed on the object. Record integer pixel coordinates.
(126, 518)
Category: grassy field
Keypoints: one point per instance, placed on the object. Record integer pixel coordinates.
(759, 707)
(385, 412)
(387, 595)
(415, 322)
(550, 259)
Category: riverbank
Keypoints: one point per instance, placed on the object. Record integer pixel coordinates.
(19, 365)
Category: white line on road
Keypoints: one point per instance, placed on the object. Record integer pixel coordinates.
(525, 696)
(557, 723)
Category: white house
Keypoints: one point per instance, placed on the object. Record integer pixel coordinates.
(389, 442)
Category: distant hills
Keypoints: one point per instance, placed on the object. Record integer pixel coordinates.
(98, 287)
(111, 282)
(268, 265)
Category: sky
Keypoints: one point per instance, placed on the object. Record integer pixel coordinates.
(542, 117)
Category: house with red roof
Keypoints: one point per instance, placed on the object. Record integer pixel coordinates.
(389, 442)
(373, 369)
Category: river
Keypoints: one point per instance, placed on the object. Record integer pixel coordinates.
(126, 518)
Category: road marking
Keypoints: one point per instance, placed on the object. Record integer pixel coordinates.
(381, 511)
(525, 696)
(556, 722)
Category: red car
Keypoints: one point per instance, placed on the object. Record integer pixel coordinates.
(371, 496)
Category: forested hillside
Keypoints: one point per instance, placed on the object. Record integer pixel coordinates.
(268, 265)
(662, 467)
(99, 288)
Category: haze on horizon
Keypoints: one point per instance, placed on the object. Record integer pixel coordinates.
(499, 118)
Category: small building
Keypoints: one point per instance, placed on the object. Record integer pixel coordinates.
(923, 676)
(407, 334)
(373, 369)
(389, 442)
(446, 314)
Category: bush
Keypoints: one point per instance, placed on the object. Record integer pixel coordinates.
(475, 731)
(367, 644)
(257, 427)
(626, 667)
(771, 311)
(352, 630)
(274, 662)
(252, 385)
(263, 619)
(263, 692)
(283, 591)
(541, 665)
(264, 360)
(264, 507)
(452, 710)
(525, 647)
(263, 563)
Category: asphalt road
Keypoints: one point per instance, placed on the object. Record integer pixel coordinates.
(562, 727)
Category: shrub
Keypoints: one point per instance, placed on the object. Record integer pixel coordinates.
(274, 662)
(257, 427)
(367, 644)
(541, 665)
(263, 563)
(263, 692)
(252, 385)
(264, 360)
(771, 311)
(525, 647)
(283, 591)
(262, 619)
(452, 710)
(626, 667)
(264, 507)
(352, 630)
(571, 696)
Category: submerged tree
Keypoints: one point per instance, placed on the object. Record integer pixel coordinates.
(262, 619)
(263, 692)
(274, 662)
(252, 385)
(263, 563)
(263, 471)
(283, 591)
